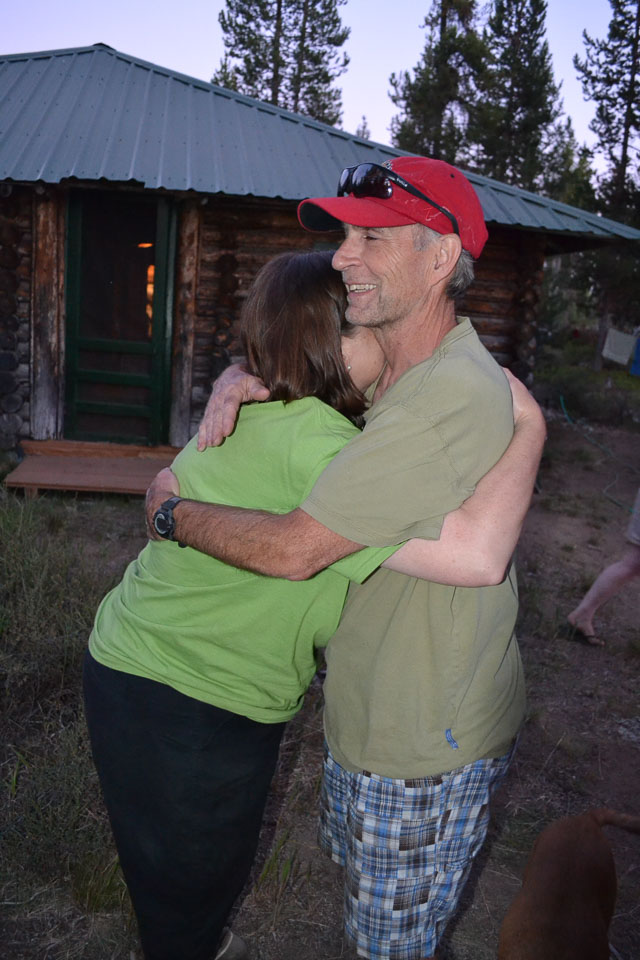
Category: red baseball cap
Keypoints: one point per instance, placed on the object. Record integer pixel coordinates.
(444, 188)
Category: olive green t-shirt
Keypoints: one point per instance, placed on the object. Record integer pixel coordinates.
(421, 677)
(240, 641)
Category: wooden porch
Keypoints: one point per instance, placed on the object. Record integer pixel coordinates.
(80, 466)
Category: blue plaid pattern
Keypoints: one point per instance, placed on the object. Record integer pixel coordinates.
(407, 848)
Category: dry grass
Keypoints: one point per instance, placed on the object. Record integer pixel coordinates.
(61, 890)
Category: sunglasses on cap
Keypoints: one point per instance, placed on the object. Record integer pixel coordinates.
(373, 180)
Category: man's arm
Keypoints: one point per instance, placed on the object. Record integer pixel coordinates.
(233, 387)
(291, 545)
(474, 548)
(478, 539)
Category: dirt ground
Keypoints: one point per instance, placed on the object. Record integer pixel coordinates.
(580, 746)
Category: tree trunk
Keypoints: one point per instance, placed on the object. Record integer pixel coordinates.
(297, 79)
(276, 77)
(629, 118)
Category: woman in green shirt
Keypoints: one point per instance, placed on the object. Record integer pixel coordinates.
(194, 666)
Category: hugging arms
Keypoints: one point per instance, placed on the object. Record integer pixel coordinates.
(475, 545)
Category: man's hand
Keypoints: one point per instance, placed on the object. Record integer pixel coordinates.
(164, 485)
(233, 387)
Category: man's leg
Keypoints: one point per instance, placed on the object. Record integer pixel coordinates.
(335, 798)
(604, 587)
(185, 786)
(409, 848)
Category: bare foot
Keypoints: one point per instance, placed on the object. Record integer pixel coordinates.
(584, 631)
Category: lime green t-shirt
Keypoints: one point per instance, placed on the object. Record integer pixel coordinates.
(232, 638)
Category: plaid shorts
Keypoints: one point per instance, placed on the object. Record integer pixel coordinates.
(407, 848)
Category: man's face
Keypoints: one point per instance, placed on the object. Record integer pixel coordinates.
(385, 275)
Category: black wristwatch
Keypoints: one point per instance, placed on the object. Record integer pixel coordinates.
(163, 521)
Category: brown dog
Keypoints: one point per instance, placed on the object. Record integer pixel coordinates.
(564, 908)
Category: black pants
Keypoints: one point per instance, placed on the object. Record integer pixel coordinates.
(185, 785)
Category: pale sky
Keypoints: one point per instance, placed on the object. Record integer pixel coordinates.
(184, 35)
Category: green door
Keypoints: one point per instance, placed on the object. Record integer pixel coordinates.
(118, 345)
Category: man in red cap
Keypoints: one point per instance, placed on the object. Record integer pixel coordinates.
(424, 693)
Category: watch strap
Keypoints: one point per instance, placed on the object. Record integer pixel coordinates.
(165, 510)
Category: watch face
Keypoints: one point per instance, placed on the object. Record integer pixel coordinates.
(161, 524)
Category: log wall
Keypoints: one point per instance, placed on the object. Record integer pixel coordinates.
(503, 301)
(16, 233)
(236, 239)
(48, 313)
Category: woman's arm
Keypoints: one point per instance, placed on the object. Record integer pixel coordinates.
(478, 539)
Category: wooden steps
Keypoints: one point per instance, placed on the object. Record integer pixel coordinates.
(81, 466)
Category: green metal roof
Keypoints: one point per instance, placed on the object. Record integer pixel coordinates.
(93, 114)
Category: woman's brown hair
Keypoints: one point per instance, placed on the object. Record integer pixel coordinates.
(291, 324)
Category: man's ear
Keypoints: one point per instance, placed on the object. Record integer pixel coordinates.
(448, 250)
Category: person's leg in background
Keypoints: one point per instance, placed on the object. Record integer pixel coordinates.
(609, 582)
(606, 585)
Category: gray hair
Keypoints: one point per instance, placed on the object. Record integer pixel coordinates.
(462, 276)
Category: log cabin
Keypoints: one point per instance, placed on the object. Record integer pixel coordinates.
(136, 206)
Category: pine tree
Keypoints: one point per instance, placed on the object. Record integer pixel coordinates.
(518, 102)
(226, 75)
(287, 52)
(566, 167)
(252, 57)
(610, 76)
(435, 101)
(362, 130)
(567, 175)
(318, 60)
